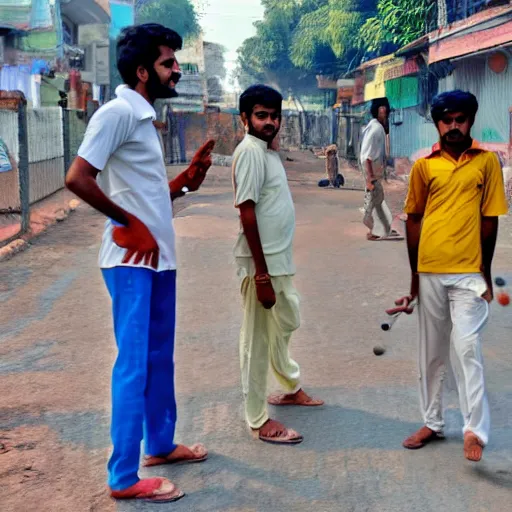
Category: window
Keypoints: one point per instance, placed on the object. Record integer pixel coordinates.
(68, 33)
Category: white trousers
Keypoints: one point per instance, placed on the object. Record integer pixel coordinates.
(452, 315)
(264, 343)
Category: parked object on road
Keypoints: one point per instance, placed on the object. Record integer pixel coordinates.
(339, 182)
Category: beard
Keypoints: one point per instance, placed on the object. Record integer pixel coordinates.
(157, 90)
(268, 134)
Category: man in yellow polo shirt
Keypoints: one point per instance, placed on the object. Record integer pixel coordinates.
(455, 197)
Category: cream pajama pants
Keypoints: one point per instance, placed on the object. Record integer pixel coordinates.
(377, 215)
(452, 315)
(264, 342)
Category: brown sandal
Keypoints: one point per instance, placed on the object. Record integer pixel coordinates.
(421, 438)
(199, 451)
(298, 399)
(281, 435)
(153, 490)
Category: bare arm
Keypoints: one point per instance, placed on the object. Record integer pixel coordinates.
(263, 281)
(81, 180)
(413, 230)
(489, 235)
(250, 226)
(370, 176)
(134, 236)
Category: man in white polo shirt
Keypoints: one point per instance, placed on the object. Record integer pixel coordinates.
(120, 171)
(264, 256)
(377, 218)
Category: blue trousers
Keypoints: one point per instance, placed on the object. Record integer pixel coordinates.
(143, 396)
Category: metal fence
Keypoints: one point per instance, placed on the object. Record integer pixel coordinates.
(46, 152)
(41, 145)
(14, 182)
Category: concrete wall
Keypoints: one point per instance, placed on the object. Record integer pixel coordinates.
(189, 130)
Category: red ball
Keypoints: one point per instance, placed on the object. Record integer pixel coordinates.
(503, 298)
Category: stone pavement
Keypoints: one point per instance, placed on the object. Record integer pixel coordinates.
(57, 350)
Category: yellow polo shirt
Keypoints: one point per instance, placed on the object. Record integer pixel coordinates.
(453, 197)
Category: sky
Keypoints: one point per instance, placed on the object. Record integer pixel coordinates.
(229, 22)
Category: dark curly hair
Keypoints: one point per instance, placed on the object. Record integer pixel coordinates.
(139, 46)
(454, 101)
(260, 95)
(376, 104)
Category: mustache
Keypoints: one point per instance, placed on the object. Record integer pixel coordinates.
(454, 132)
(270, 127)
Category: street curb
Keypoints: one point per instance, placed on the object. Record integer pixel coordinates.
(20, 244)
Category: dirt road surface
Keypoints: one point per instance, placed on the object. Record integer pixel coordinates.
(57, 350)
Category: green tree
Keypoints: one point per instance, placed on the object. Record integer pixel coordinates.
(398, 22)
(265, 57)
(179, 15)
(299, 39)
(326, 36)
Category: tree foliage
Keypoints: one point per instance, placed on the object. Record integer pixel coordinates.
(330, 28)
(179, 15)
(398, 22)
(299, 39)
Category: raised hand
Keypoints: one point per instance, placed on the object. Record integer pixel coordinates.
(193, 177)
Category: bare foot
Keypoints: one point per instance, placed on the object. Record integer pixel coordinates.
(276, 433)
(181, 455)
(421, 438)
(299, 398)
(473, 447)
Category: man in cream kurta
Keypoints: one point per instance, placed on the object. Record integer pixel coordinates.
(259, 179)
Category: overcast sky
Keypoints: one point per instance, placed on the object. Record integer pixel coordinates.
(229, 22)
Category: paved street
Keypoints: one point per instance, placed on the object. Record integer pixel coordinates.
(57, 350)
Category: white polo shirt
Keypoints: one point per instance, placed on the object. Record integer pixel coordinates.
(373, 147)
(123, 144)
(259, 176)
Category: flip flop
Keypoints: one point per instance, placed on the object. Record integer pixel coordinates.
(417, 441)
(289, 437)
(279, 400)
(152, 490)
(394, 238)
(198, 449)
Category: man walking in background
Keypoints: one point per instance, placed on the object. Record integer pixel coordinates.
(264, 256)
(373, 160)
